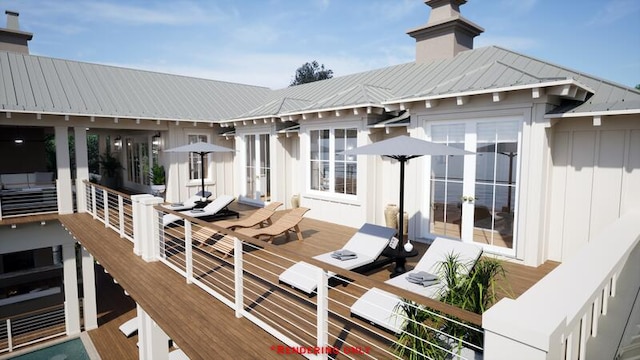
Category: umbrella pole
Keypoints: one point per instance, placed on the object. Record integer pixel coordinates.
(202, 197)
(400, 255)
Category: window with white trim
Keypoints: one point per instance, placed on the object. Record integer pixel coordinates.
(195, 168)
(330, 169)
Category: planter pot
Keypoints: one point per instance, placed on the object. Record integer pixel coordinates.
(295, 201)
(158, 189)
(391, 216)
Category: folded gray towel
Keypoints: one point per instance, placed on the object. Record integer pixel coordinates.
(422, 276)
(344, 252)
(422, 282)
(344, 257)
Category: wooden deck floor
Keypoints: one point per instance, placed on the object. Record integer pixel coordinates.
(203, 328)
(199, 324)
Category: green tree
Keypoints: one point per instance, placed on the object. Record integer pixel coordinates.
(310, 72)
(638, 86)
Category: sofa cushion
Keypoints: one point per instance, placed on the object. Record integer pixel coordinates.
(14, 181)
(41, 178)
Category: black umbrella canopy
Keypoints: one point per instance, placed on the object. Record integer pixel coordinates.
(403, 148)
(200, 148)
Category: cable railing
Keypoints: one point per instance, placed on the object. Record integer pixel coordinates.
(112, 208)
(243, 273)
(33, 327)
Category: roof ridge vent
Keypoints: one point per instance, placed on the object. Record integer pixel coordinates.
(446, 33)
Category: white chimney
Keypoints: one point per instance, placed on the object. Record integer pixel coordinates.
(12, 38)
(446, 33)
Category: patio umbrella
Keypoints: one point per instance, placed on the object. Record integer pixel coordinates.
(200, 148)
(404, 148)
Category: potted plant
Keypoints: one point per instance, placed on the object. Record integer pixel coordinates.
(110, 166)
(157, 179)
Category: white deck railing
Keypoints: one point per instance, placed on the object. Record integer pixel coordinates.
(247, 282)
(112, 208)
(580, 309)
(26, 329)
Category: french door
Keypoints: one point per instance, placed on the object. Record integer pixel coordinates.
(138, 160)
(473, 197)
(258, 167)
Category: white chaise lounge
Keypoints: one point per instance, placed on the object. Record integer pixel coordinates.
(190, 203)
(129, 327)
(216, 207)
(381, 308)
(368, 243)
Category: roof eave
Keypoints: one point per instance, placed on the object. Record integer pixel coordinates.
(490, 90)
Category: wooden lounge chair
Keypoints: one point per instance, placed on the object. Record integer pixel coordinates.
(223, 244)
(288, 222)
(258, 217)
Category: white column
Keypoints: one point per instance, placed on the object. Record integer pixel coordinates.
(65, 195)
(82, 166)
(138, 222)
(90, 307)
(150, 230)
(71, 303)
(153, 341)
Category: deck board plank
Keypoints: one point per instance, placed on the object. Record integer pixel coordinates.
(203, 326)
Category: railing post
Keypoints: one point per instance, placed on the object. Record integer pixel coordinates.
(81, 196)
(9, 336)
(188, 251)
(94, 210)
(121, 215)
(105, 205)
(322, 317)
(149, 226)
(138, 221)
(238, 279)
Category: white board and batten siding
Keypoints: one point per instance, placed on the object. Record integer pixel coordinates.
(595, 179)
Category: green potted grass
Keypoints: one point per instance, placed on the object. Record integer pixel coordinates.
(157, 179)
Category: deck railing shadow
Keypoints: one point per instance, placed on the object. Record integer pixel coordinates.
(318, 326)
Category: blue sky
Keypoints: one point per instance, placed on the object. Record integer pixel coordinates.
(263, 42)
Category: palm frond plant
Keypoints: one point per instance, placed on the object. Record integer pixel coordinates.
(470, 288)
(419, 341)
(157, 175)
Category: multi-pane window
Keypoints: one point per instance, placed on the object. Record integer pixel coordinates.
(332, 170)
(195, 165)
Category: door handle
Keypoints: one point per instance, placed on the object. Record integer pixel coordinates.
(468, 198)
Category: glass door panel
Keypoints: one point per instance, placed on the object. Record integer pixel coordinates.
(265, 168)
(258, 167)
(447, 183)
(495, 183)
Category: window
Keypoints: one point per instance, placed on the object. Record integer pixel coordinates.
(195, 167)
(332, 170)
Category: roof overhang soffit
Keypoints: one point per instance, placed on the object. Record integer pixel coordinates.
(565, 88)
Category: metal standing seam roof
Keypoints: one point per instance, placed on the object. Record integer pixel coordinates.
(39, 84)
(476, 71)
